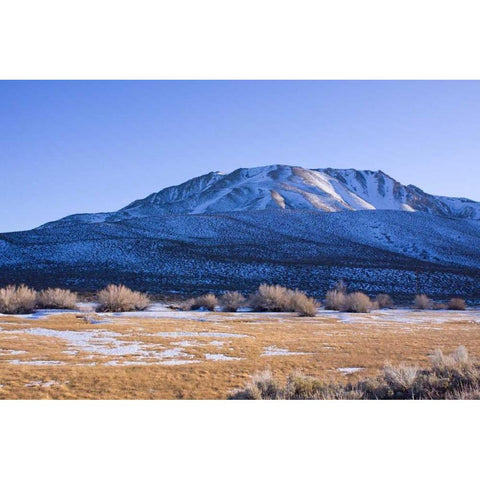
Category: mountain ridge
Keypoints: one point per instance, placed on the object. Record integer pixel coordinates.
(302, 228)
(277, 187)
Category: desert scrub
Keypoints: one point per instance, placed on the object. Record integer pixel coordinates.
(457, 304)
(231, 301)
(275, 298)
(384, 301)
(453, 376)
(208, 301)
(15, 299)
(56, 298)
(335, 300)
(357, 302)
(262, 386)
(422, 302)
(302, 304)
(118, 298)
(271, 298)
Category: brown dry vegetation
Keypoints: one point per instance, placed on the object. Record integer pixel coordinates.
(327, 344)
(15, 299)
(422, 302)
(358, 302)
(275, 298)
(457, 304)
(232, 301)
(56, 298)
(118, 298)
(208, 301)
(384, 301)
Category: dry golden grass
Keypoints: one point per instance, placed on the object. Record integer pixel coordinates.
(328, 345)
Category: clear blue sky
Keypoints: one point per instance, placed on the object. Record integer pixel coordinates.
(74, 147)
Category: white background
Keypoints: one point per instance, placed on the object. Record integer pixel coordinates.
(207, 39)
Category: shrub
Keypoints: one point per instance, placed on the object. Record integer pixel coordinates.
(275, 298)
(118, 298)
(401, 378)
(262, 386)
(335, 300)
(208, 301)
(231, 301)
(272, 298)
(453, 376)
(305, 306)
(357, 302)
(384, 301)
(422, 302)
(457, 360)
(56, 298)
(15, 299)
(457, 304)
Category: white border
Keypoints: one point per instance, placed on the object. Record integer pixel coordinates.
(248, 39)
(237, 40)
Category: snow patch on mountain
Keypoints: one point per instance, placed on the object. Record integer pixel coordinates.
(283, 187)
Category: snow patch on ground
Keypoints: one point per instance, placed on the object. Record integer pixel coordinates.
(11, 352)
(349, 370)
(198, 334)
(273, 350)
(39, 383)
(219, 356)
(36, 362)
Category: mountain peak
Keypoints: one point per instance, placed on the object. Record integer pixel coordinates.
(287, 187)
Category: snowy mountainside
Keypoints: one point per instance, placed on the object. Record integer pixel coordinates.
(282, 187)
(373, 250)
(304, 228)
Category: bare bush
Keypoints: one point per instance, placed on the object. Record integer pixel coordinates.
(208, 301)
(402, 377)
(384, 301)
(357, 302)
(305, 306)
(335, 300)
(275, 298)
(454, 376)
(231, 301)
(118, 298)
(15, 299)
(457, 304)
(272, 298)
(422, 302)
(262, 386)
(457, 360)
(56, 298)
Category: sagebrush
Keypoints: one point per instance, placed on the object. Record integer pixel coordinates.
(454, 376)
(208, 301)
(422, 302)
(457, 304)
(232, 301)
(17, 300)
(56, 298)
(119, 298)
(275, 298)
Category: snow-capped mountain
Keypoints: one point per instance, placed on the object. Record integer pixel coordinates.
(282, 187)
(280, 224)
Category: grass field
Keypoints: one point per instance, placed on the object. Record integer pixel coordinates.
(206, 355)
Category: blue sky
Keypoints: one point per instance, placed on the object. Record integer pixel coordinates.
(71, 147)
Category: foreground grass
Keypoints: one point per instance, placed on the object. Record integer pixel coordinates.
(450, 377)
(322, 347)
